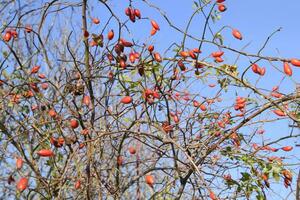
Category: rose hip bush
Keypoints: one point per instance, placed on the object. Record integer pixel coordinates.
(94, 106)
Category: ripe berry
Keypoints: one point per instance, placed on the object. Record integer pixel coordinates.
(126, 100)
(222, 8)
(132, 150)
(155, 25)
(45, 153)
(287, 69)
(236, 33)
(22, 184)
(110, 35)
(96, 21)
(74, 123)
(149, 180)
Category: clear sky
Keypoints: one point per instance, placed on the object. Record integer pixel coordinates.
(256, 19)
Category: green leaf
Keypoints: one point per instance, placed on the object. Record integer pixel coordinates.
(246, 176)
(276, 169)
(49, 162)
(213, 18)
(276, 173)
(260, 197)
(276, 177)
(133, 72)
(126, 119)
(10, 105)
(5, 54)
(25, 109)
(134, 85)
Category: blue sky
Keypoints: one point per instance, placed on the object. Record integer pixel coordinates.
(256, 19)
